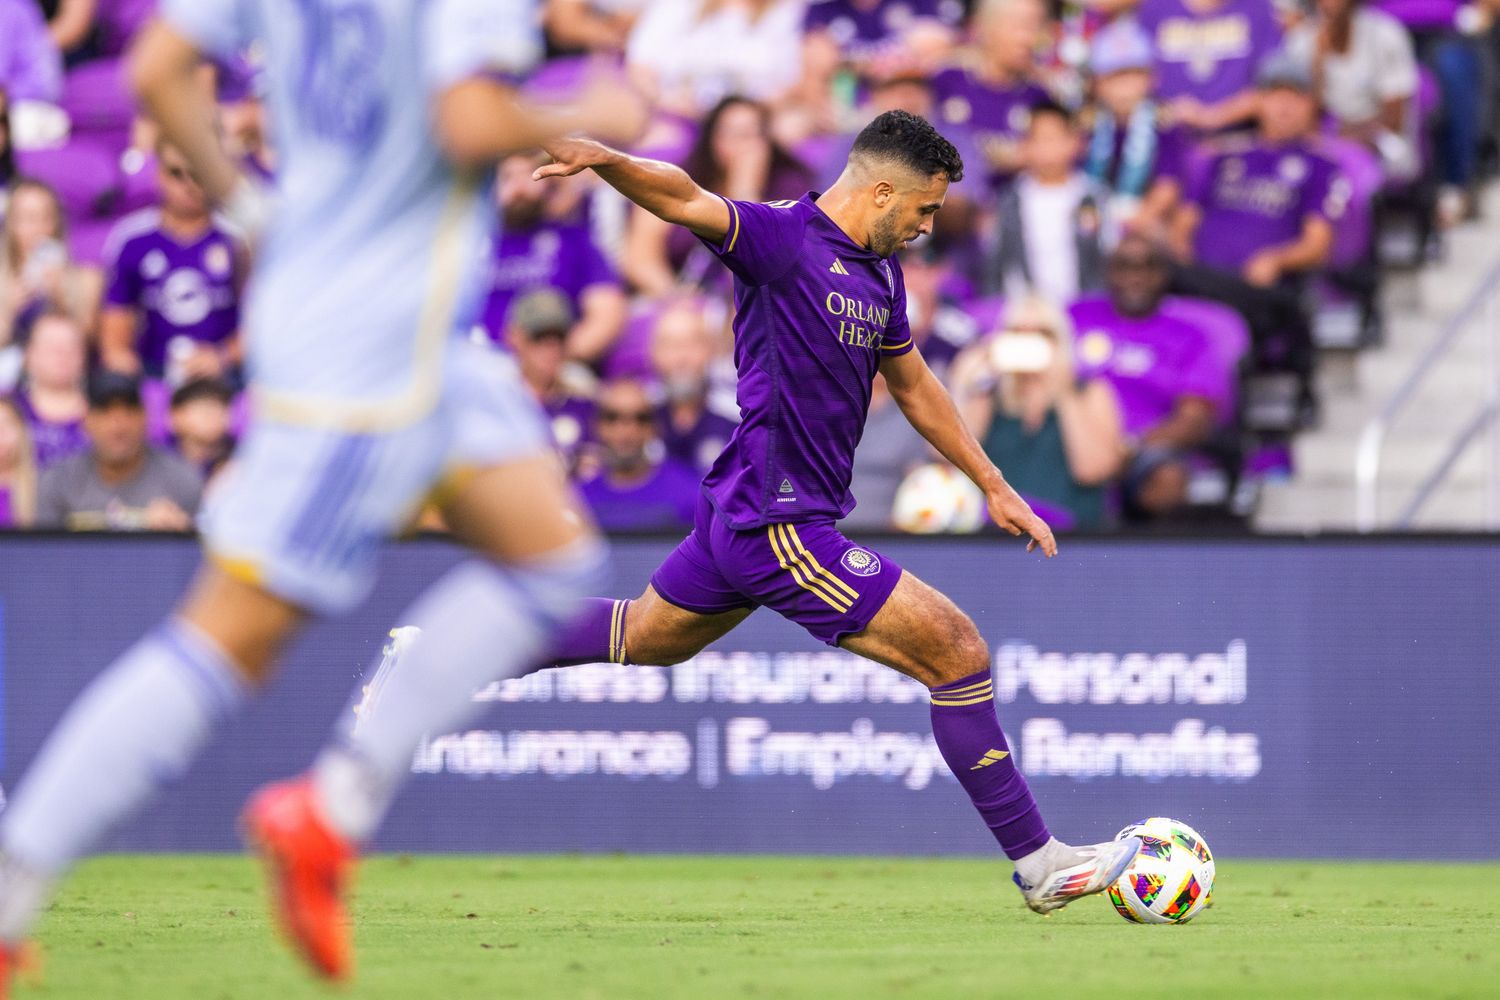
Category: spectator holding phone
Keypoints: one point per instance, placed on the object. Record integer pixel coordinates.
(1058, 438)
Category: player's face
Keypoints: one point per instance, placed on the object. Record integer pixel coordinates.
(180, 191)
(909, 212)
(118, 432)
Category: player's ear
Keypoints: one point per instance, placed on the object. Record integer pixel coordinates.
(884, 192)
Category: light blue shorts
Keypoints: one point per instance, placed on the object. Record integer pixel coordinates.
(303, 511)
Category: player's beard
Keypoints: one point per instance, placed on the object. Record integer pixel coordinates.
(884, 240)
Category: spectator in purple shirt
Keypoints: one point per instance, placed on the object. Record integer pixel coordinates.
(52, 392)
(1172, 385)
(1134, 149)
(18, 471)
(1259, 218)
(735, 153)
(1207, 55)
(992, 97)
(533, 251)
(30, 67)
(536, 330)
(172, 302)
(695, 425)
(636, 487)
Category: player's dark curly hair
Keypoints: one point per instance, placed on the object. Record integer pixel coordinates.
(910, 140)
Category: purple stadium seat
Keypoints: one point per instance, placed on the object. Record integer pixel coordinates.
(83, 173)
(1361, 168)
(119, 20)
(98, 102)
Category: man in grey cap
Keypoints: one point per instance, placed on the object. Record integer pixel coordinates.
(122, 482)
(536, 331)
(1259, 218)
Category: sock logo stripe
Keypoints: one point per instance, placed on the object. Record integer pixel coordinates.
(956, 702)
(838, 584)
(796, 569)
(616, 631)
(988, 682)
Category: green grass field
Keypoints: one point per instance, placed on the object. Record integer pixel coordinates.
(170, 927)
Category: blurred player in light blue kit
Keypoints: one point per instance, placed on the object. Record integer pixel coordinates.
(386, 112)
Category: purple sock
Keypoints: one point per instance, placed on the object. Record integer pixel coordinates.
(596, 636)
(968, 734)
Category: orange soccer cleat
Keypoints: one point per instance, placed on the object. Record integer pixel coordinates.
(18, 961)
(307, 866)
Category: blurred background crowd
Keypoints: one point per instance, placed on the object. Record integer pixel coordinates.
(1169, 207)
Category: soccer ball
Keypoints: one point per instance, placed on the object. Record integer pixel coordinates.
(936, 498)
(1170, 880)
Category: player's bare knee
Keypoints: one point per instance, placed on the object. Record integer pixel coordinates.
(967, 653)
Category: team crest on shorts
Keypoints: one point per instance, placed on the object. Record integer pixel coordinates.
(861, 562)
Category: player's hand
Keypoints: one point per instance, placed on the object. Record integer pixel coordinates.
(571, 156)
(1013, 514)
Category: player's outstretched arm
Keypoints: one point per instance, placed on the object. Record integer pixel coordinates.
(163, 67)
(662, 189)
(930, 409)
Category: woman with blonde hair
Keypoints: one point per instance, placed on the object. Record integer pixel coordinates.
(1059, 441)
(17, 469)
(36, 272)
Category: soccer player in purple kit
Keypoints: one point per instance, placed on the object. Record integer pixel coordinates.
(821, 308)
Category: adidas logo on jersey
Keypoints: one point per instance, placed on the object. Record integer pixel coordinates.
(837, 267)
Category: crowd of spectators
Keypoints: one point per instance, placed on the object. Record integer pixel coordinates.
(1161, 196)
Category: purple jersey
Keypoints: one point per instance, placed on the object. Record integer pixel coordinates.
(864, 29)
(182, 289)
(1208, 55)
(990, 112)
(664, 499)
(1253, 197)
(1422, 15)
(562, 257)
(697, 446)
(1150, 361)
(569, 418)
(53, 441)
(814, 315)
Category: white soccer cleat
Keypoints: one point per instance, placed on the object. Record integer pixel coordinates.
(1095, 869)
(401, 639)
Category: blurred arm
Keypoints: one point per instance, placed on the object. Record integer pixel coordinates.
(117, 339)
(163, 75)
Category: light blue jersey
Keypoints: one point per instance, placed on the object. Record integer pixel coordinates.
(366, 400)
(372, 260)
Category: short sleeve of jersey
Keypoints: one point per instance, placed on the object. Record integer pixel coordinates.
(124, 285)
(763, 241)
(467, 38)
(898, 339)
(1326, 192)
(1199, 371)
(219, 27)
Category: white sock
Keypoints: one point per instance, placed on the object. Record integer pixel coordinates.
(136, 727)
(478, 624)
(1052, 855)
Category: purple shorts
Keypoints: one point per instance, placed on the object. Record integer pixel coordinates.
(808, 573)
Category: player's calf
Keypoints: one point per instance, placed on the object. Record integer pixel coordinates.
(648, 631)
